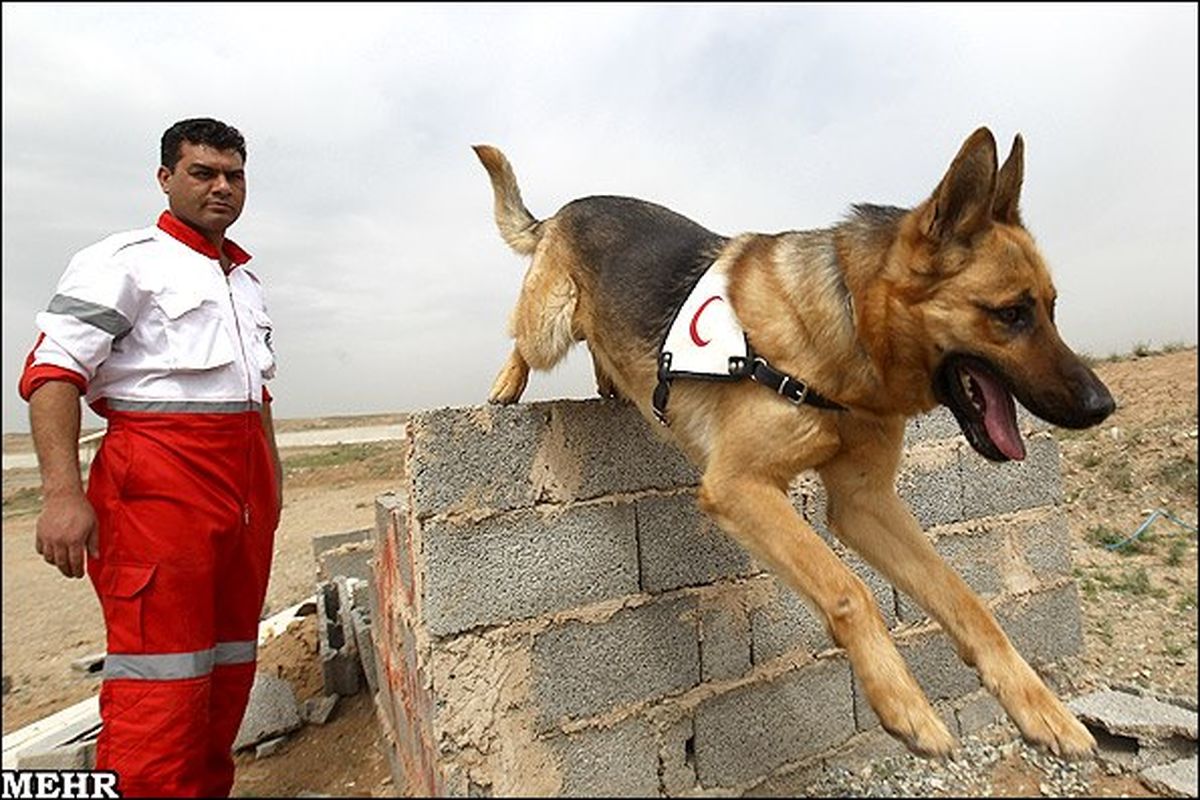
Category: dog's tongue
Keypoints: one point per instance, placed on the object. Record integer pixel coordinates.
(1000, 416)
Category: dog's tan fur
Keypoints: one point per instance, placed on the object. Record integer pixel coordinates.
(865, 312)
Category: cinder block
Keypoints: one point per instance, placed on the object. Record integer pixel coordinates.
(937, 425)
(1045, 626)
(930, 481)
(526, 563)
(680, 546)
(1046, 544)
(977, 711)
(331, 541)
(585, 668)
(677, 757)
(990, 488)
(784, 624)
(270, 712)
(724, 641)
(475, 458)
(750, 731)
(72, 756)
(621, 761)
(616, 449)
(351, 560)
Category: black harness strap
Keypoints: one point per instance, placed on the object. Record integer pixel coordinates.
(756, 369)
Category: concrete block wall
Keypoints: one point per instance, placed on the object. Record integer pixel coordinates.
(554, 616)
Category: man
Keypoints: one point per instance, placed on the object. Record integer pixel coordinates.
(165, 333)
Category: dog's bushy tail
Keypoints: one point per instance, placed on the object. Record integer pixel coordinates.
(518, 227)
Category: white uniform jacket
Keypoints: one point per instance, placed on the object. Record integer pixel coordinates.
(148, 320)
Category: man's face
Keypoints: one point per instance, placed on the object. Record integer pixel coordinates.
(207, 188)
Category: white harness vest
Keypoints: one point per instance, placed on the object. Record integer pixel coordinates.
(706, 341)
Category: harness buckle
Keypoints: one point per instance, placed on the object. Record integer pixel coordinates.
(799, 398)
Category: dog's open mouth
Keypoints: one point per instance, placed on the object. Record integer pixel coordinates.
(983, 406)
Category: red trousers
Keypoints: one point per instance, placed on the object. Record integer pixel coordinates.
(187, 511)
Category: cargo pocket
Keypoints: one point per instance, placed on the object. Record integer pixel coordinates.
(122, 589)
(195, 334)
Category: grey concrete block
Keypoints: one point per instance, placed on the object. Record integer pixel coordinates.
(1129, 715)
(270, 747)
(317, 710)
(526, 563)
(331, 541)
(784, 624)
(1046, 545)
(465, 459)
(270, 712)
(677, 757)
(617, 450)
(1177, 779)
(930, 482)
(750, 731)
(586, 668)
(366, 648)
(990, 488)
(72, 756)
(680, 546)
(340, 664)
(977, 711)
(724, 642)
(935, 664)
(621, 761)
(937, 425)
(351, 560)
(1044, 626)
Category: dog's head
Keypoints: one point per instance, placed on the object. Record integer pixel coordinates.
(978, 288)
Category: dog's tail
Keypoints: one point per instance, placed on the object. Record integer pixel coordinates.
(518, 227)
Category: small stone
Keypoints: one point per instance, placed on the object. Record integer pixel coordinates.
(269, 747)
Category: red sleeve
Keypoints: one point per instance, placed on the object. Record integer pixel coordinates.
(34, 375)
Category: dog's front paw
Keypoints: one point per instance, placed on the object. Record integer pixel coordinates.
(1045, 722)
(921, 730)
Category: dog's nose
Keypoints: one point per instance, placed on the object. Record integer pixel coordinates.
(1097, 402)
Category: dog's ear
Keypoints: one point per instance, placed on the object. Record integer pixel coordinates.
(1008, 185)
(961, 205)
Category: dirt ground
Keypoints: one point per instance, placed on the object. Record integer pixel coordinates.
(1139, 598)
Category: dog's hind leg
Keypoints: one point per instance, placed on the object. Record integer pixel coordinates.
(866, 513)
(542, 322)
(604, 383)
(756, 511)
(511, 380)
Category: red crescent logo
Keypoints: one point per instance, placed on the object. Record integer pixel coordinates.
(696, 318)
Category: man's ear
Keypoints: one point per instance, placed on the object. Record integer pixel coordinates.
(1008, 185)
(163, 175)
(961, 205)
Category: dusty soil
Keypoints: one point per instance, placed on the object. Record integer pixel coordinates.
(1139, 599)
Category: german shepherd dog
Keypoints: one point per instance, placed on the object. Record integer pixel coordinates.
(885, 315)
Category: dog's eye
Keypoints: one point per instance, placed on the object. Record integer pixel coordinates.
(1012, 316)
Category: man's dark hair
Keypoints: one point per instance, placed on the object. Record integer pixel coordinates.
(200, 130)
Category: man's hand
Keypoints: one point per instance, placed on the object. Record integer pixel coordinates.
(65, 530)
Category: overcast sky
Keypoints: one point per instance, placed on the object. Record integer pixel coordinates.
(370, 220)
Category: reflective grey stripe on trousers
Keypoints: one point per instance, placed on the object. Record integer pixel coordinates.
(176, 666)
(184, 406)
(106, 319)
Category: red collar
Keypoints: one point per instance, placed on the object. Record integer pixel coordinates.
(192, 238)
